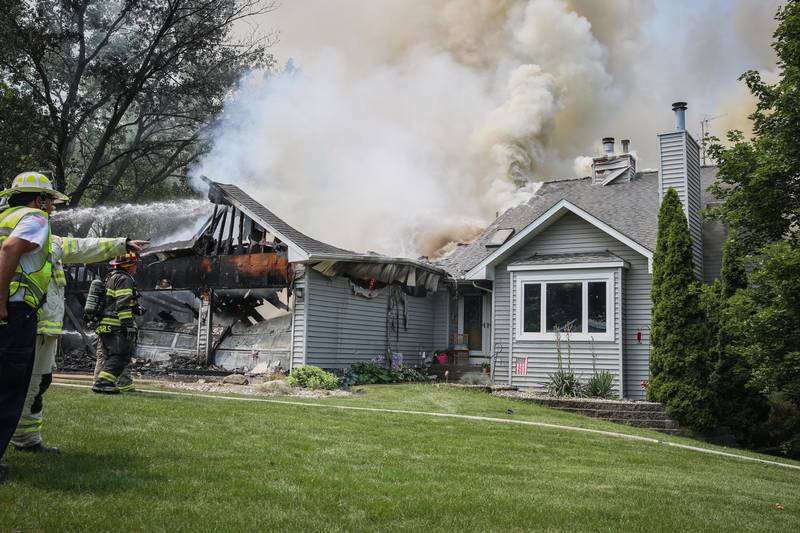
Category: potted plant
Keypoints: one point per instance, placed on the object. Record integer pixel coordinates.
(486, 367)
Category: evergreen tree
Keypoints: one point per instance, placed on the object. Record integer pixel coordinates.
(740, 405)
(733, 275)
(679, 361)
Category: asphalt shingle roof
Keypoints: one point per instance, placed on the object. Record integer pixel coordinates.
(629, 207)
(267, 217)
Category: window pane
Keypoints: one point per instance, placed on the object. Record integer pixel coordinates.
(564, 302)
(597, 307)
(532, 308)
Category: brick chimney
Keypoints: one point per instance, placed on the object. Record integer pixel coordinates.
(679, 168)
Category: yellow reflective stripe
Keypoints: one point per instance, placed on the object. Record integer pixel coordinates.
(29, 430)
(119, 292)
(108, 246)
(110, 321)
(125, 314)
(106, 376)
(50, 323)
(27, 423)
(125, 387)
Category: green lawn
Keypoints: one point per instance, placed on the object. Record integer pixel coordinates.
(163, 463)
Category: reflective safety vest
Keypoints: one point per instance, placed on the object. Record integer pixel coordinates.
(33, 283)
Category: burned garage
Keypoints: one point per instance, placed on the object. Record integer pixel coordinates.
(248, 291)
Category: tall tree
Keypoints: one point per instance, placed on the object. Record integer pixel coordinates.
(19, 118)
(759, 179)
(679, 361)
(126, 86)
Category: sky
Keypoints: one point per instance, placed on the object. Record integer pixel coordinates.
(403, 125)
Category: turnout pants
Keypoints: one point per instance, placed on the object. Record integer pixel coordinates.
(114, 352)
(29, 427)
(17, 352)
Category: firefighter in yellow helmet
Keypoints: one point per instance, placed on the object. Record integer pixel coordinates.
(25, 271)
(64, 250)
(117, 328)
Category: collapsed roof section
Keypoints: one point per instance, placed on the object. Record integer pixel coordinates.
(241, 230)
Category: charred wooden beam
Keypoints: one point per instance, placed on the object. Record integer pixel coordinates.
(268, 270)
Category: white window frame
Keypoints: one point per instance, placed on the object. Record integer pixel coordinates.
(564, 276)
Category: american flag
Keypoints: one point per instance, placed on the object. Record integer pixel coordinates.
(521, 366)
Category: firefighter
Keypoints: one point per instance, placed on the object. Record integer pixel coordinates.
(117, 328)
(25, 270)
(65, 250)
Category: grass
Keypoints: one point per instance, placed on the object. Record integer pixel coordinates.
(171, 463)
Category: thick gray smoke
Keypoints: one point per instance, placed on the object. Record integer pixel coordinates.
(408, 124)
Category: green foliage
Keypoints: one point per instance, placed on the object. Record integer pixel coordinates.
(757, 178)
(733, 275)
(126, 88)
(564, 383)
(772, 328)
(679, 361)
(600, 385)
(371, 372)
(312, 377)
(739, 405)
(21, 148)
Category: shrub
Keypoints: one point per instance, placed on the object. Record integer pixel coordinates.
(565, 383)
(371, 372)
(312, 377)
(600, 385)
(406, 374)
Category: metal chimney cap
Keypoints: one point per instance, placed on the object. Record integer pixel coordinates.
(608, 140)
(679, 105)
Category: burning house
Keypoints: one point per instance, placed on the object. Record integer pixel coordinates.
(249, 290)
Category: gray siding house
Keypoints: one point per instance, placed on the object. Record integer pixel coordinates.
(570, 269)
(578, 256)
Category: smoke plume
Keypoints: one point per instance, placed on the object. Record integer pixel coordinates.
(403, 125)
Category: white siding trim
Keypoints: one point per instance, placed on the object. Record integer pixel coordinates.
(621, 333)
(566, 266)
(606, 276)
(306, 287)
(483, 270)
(511, 329)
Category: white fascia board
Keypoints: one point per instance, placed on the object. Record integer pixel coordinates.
(565, 266)
(481, 270)
(296, 254)
(547, 218)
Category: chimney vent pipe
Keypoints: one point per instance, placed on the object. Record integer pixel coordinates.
(680, 115)
(625, 144)
(608, 145)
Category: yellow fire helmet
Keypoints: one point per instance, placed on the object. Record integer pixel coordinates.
(33, 182)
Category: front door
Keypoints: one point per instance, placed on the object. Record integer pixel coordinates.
(474, 320)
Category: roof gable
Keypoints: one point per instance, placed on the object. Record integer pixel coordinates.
(484, 269)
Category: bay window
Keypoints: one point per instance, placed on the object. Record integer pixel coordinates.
(579, 302)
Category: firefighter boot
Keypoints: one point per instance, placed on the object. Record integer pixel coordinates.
(102, 386)
(41, 448)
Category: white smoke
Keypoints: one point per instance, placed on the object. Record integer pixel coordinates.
(411, 123)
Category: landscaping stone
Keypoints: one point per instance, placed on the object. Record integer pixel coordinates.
(235, 379)
(649, 415)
